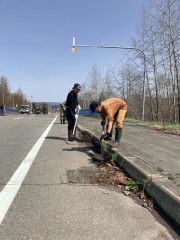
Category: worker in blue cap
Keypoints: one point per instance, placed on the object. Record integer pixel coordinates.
(72, 106)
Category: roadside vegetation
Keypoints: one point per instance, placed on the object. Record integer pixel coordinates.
(11, 99)
(172, 128)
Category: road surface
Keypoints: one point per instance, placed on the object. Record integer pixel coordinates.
(45, 205)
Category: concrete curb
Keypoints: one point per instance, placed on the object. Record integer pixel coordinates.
(162, 190)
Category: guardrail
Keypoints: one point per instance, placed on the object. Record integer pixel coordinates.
(11, 110)
(82, 112)
(88, 112)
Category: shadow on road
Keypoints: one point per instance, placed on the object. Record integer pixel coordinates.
(55, 138)
(79, 149)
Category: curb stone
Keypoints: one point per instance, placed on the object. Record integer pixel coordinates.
(157, 186)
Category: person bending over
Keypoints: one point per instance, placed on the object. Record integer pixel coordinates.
(113, 111)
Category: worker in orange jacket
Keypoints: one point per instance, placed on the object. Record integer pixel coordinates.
(112, 110)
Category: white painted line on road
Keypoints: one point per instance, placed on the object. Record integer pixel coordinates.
(9, 192)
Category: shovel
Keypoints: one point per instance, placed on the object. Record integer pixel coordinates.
(74, 129)
(103, 129)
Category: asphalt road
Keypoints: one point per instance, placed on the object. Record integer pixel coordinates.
(18, 134)
(47, 206)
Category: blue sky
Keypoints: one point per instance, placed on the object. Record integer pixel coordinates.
(36, 38)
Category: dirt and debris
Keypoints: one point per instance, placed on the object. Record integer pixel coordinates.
(105, 173)
(108, 176)
(102, 174)
(85, 136)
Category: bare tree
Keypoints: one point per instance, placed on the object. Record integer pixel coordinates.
(158, 37)
(4, 90)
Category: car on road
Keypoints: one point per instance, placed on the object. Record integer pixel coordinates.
(38, 112)
(25, 109)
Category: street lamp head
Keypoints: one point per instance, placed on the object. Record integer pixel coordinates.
(74, 46)
(73, 49)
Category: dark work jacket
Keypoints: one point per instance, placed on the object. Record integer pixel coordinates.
(2, 107)
(72, 102)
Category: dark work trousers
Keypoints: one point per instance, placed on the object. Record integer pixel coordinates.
(71, 119)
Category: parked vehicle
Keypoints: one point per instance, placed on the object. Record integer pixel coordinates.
(25, 109)
(38, 112)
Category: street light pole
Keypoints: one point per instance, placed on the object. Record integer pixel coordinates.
(74, 47)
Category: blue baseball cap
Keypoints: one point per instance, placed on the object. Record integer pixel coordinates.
(77, 85)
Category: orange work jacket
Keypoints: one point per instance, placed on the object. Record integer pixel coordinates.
(111, 107)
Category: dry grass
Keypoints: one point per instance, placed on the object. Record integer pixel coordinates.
(170, 128)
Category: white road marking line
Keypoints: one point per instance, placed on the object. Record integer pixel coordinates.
(9, 192)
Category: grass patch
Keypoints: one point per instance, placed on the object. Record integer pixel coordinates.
(134, 183)
(165, 126)
(132, 120)
(114, 157)
(173, 128)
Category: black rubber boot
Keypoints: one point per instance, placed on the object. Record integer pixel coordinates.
(118, 134)
(111, 133)
(70, 136)
(64, 121)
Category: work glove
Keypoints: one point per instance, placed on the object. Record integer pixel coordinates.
(106, 136)
(76, 116)
(79, 107)
(103, 123)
